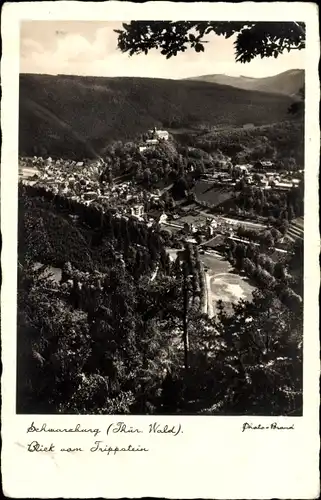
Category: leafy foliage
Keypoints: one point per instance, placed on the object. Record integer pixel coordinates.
(110, 341)
(297, 107)
(277, 142)
(268, 275)
(281, 206)
(263, 355)
(76, 358)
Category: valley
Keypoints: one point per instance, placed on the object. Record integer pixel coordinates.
(74, 115)
(159, 236)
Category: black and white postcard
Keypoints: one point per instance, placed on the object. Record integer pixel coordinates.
(160, 242)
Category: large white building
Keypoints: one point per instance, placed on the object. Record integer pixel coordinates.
(159, 134)
(154, 137)
(137, 210)
(162, 134)
(244, 169)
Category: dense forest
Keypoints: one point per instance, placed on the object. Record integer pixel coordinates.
(282, 142)
(107, 338)
(267, 270)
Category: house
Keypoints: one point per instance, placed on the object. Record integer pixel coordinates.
(158, 216)
(266, 164)
(90, 195)
(152, 142)
(224, 175)
(137, 210)
(163, 218)
(263, 165)
(209, 227)
(142, 148)
(223, 164)
(159, 134)
(213, 223)
(283, 186)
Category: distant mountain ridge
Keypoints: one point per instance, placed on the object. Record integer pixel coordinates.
(287, 83)
(79, 115)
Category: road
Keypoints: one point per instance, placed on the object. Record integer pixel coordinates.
(154, 274)
(172, 224)
(209, 304)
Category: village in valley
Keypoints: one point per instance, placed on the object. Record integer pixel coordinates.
(210, 229)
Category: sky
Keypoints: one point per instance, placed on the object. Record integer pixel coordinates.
(90, 48)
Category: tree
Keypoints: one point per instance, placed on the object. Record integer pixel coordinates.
(262, 362)
(252, 39)
(277, 235)
(291, 164)
(180, 187)
(251, 251)
(297, 107)
(291, 299)
(240, 252)
(147, 176)
(279, 271)
(249, 267)
(291, 213)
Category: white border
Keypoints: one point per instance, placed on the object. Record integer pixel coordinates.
(213, 458)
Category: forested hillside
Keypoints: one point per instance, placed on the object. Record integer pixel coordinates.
(288, 82)
(74, 115)
(277, 141)
(73, 356)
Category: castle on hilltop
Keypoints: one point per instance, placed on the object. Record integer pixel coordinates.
(154, 136)
(159, 134)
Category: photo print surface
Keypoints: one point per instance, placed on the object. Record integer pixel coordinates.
(159, 220)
